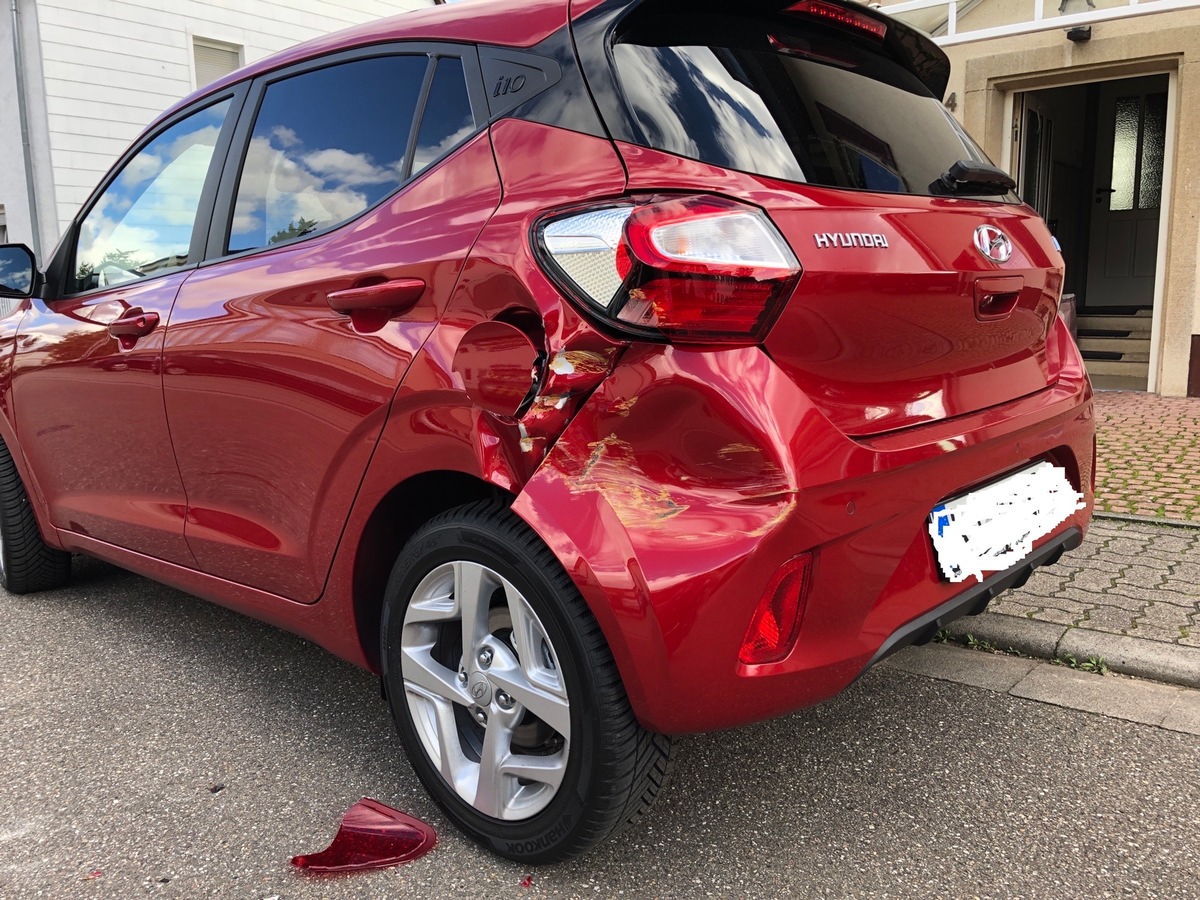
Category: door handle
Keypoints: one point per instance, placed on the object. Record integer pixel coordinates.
(396, 296)
(134, 324)
(996, 298)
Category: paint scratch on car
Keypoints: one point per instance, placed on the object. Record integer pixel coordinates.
(612, 470)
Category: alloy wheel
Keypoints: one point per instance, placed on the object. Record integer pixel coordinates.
(485, 690)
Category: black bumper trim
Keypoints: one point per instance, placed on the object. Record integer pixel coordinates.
(975, 599)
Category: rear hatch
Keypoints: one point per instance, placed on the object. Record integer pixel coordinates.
(922, 297)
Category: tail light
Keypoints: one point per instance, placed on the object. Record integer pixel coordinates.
(776, 623)
(699, 268)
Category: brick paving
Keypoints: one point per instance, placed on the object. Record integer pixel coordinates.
(1148, 455)
(1135, 578)
(1139, 579)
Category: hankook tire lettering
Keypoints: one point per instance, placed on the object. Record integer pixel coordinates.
(553, 836)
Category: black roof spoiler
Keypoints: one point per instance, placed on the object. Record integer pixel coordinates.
(909, 46)
(916, 50)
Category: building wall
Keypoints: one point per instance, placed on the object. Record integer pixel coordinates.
(108, 67)
(13, 190)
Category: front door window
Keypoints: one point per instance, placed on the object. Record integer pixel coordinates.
(142, 224)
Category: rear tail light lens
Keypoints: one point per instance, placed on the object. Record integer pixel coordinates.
(695, 268)
(776, 623)
(709, 236)
(585, 247)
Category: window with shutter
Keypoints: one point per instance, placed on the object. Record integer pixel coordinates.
(214, 60)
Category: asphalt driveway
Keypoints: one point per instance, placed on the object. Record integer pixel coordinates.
(153, 744)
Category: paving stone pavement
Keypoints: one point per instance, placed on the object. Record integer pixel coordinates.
(1148, 455)
(1131, 592)
(1139, 579)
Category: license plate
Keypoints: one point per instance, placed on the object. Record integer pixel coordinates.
(994, 527)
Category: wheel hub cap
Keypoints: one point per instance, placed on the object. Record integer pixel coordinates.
(480, 689)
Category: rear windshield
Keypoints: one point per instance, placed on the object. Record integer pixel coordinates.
(789, 98)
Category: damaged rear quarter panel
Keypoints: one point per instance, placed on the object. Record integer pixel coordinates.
(674, 472)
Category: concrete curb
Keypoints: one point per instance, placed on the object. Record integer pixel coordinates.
(1144, 658)
(1145, 520)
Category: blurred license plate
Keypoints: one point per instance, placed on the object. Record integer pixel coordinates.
(994, 527)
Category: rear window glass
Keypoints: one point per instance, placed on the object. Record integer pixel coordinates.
(786, 98)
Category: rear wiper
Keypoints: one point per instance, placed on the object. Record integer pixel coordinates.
(976, 177)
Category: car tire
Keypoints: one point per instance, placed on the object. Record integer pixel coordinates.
(27, 563)
(560, 763)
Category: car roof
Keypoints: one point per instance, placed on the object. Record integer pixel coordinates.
(505, 23)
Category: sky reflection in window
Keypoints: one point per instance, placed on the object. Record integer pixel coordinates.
(142, 224)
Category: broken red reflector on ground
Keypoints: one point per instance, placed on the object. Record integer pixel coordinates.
(371, 836)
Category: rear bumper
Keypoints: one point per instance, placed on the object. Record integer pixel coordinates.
(690, 477)
(975, 599)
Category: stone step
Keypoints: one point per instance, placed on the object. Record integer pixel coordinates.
(1115, 345)
(1119, 383)
(1132, 324)
(1145, 313)
(1091, 356)
(1118, 367)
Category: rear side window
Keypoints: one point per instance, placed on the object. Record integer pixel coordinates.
(326, 145)
(785, 96)
(447, 120)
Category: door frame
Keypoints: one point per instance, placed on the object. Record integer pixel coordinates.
(1045, 166)
(1010, 148)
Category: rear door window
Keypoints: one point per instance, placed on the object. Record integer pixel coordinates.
(327, 145)
(788, 97)
(447, 120)
(330, 143)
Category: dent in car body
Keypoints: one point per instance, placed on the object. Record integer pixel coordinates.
(725, 471)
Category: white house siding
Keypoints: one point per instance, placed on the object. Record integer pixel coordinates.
(14, 190)
(111, 66)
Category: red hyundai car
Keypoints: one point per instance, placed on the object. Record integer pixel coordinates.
(594, 371)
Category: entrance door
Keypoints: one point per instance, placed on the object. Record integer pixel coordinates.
(1054, 156)
(1127, 192)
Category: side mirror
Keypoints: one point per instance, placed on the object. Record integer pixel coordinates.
(18, 271)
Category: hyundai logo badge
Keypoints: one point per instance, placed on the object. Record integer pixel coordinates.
(993, 243)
